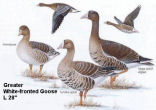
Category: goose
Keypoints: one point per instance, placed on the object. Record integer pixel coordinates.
(61, 10)
(110, 53)
(34, 53)
(128, 25)
(80, 75)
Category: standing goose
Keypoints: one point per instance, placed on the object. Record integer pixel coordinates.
(79, 75)
(128, 25)
(108, 53)
(33, 53)
(61, 10)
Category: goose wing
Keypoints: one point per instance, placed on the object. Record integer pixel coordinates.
(119, 51)
(89, 69)
(44, 48)
(117, 20)
(129, 20)
(58, 16)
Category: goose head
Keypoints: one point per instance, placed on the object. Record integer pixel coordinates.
(67, 44)
(41, 4)
(24, 30)
(52, 6)
(92, 15)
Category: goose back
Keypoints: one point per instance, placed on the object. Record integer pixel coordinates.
(44, 48)
(89, 69)
(119, 51)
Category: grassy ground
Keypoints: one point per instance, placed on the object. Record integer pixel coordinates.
(36, 75)
(119, 84)
(86, 103)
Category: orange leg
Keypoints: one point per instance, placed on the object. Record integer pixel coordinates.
(41, 67)
(123, 71)
(81, 95)
(30, 66)
(113, 78)
(85, 93)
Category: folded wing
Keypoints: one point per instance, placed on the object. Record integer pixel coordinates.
(89, 69)
(119, 51)
(44, 48)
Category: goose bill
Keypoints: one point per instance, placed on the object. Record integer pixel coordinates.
(84, 16)
(61, 46)
(20, 32)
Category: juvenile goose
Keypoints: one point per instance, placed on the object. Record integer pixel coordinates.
(128, 25)
(61, 10)
(33, 53)
(79, 75)
(108, 53)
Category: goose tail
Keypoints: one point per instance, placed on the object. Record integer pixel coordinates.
(145, 61)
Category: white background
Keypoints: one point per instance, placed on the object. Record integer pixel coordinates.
(14, 13)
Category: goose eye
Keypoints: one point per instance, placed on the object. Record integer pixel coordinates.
(65, 43)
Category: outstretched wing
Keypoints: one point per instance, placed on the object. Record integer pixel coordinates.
(117, 20)
(58, 16)
(44, 48)
(129, 20)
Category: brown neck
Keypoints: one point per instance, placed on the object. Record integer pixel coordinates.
(94, 37)
(68, 59)
(110, 23)
(46, 5)
(95, 28)
(52, 6)
(26, 38)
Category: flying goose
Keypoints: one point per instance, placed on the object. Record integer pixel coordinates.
(61, 10)
(34, 53)
(109, 53)
(128, 25)
(80, 75)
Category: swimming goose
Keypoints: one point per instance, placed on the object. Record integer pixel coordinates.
(108, 53)
(34, 53)
(128, 25)
(61, 10)
(79, 75)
